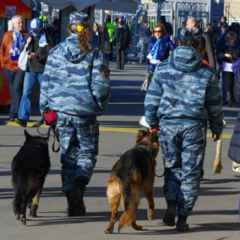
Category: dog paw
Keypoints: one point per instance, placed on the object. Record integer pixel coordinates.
(108, 231)
(151, 214)
(137, 227)
(33, 211)
(23, 220)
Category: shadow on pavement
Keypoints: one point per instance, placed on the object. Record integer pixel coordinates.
(208, 227)
(90, 217)
(53, 172)
(98, 192)
(221, 181)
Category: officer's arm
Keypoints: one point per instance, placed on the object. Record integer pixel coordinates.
(152, 100)
(100, 82)
(214, 106)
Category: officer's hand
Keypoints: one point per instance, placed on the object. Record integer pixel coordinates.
(216, 136)
(153, 129)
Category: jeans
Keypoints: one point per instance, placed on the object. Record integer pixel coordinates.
(30, 80)
(15, 80)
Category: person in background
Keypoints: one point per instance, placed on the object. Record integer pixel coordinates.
(104, 44)
(76, 86)
(11, 46)
(167, 25)
(222, 22)
(144, 38)
(159, 48)
(192, 25)
(122, 40)
(37, 56)
(183, 95)
(227, 53)
(110, 28)
(181, 30)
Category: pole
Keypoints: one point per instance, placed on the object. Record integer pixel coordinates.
(158, 10)
(159, 7)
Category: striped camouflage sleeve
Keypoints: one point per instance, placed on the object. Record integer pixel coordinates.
(100, 82)
(152, 100)
(214, 106)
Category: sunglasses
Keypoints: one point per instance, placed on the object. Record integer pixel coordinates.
(157, 31)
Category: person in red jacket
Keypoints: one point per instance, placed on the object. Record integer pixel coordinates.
(12, 43)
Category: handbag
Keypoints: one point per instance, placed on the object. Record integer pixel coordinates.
(23, 58)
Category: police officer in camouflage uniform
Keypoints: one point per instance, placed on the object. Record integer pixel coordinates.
(181, 98)
(76, 85)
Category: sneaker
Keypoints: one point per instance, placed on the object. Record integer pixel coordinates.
(38, 124)
(22, 123)
(182, 225)
(236, 167)
(11, 120)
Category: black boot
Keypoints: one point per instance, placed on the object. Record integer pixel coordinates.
(170, 214)
(182, 225)
(75, 201)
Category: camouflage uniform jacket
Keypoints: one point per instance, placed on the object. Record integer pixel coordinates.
(73, 82)
(184, 90)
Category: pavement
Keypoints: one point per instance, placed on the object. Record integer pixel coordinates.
(215, 217)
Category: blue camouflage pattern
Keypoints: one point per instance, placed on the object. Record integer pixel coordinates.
(75, 86)
(183, 153)
(182, 97)
(78, 138)
(184, 90)
(74, 82)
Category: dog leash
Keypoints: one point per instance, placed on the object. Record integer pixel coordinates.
(55, 139)
(52, 128)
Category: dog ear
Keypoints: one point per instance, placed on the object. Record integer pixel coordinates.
(141, 134)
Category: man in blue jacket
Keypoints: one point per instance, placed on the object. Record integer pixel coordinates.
(181, 98)
(76, 86)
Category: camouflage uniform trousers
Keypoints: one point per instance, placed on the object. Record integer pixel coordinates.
(78, 139)
(183, 148)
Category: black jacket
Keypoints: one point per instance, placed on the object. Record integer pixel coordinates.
(210, 55)
(37, 63)
(122, 38)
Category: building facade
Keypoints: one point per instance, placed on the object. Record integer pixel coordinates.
(177, 11)
(232, 10)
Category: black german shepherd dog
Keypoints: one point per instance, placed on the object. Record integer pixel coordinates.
(29, 169)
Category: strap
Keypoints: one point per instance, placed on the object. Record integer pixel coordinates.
(52, 128)
(95, 52)
(55, 147)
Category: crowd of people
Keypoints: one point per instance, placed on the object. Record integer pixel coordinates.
(183, 94)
